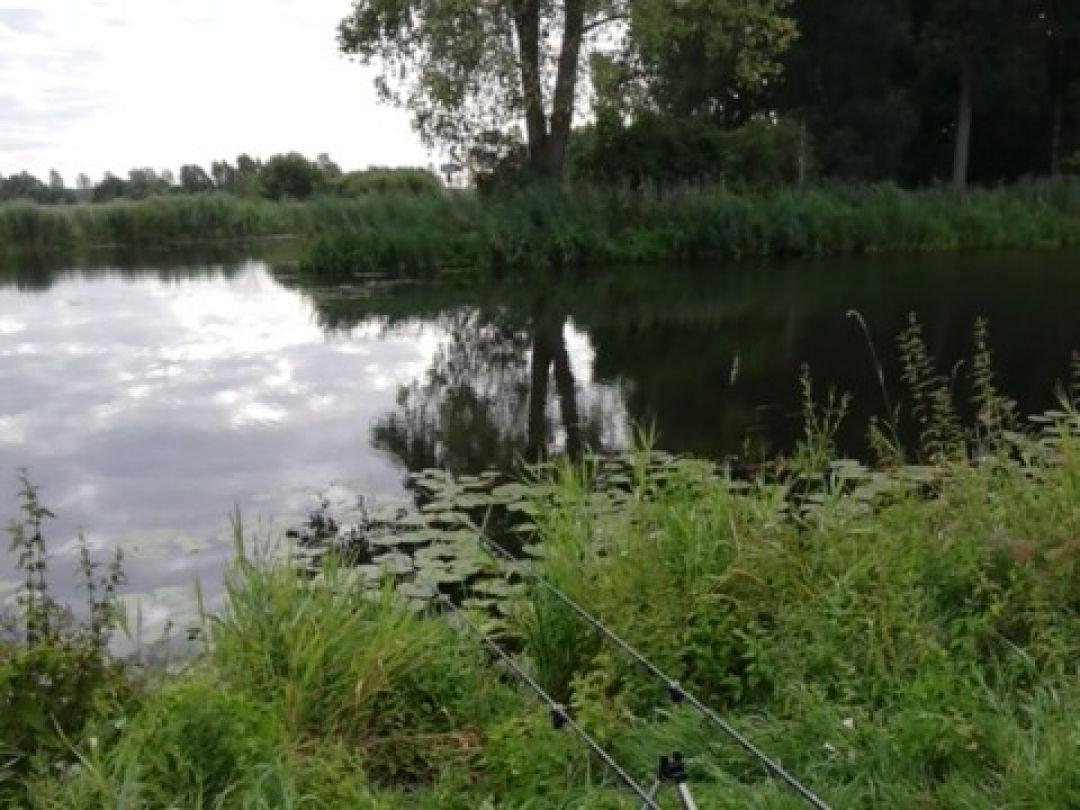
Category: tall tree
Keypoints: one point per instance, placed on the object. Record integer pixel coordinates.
(194, 179)
(711, 59)
(225, 175)
(467, 67)
(972, 38)
(144, 181)
(1057, 25)
(849, 78)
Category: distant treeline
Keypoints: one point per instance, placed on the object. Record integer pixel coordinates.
(282, 177)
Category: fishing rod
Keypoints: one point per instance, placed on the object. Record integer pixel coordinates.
(560, 717)
(676, 693)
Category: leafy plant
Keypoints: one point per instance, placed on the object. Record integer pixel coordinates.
(56, 675)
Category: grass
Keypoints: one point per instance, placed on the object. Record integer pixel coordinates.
(546, 228)
(38, 229)
(541, 228)
(898, 636)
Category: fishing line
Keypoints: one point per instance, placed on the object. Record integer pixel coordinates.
(675, 691)
(559, 716)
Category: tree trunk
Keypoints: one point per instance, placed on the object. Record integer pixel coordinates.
(566, 389)
(965, 113)
(536, 441)
(527, 25)
(548, 144)
(562, 109)
(1055, 137)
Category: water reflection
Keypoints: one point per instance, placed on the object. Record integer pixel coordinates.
(147, 401)
(710, 358)
(498, 392)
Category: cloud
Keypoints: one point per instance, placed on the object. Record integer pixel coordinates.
(22, 20)
(90, 86)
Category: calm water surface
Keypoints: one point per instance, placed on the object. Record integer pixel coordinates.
(148, 400)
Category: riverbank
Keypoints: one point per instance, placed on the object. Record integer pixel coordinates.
(544, 228)
(902, 636)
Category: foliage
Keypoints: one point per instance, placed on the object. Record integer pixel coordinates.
(56, 677)
(470, 71)
(888, 647)
(889, 642)
(289, 177)
(712, 59)
(386, 180)
(666, 152)
(878, 83)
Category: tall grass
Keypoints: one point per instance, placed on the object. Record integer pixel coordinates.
(550, 227)
(545, 228)
(44, 229)
(895, 647)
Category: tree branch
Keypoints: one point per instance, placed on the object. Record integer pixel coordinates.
(602, 21)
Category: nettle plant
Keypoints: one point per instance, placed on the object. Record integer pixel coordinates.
(56, 674)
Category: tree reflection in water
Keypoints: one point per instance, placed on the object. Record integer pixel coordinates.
(488, 398)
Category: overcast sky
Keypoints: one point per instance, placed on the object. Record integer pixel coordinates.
(95, 85)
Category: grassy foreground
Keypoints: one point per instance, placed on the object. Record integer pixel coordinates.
(906, 637)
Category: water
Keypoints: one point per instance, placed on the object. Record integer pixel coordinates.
(148, 400)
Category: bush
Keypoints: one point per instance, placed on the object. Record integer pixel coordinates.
(381, 181)
(665, 152)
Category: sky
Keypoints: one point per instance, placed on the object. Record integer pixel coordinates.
(96, 85)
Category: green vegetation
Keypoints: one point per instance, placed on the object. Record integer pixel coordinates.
(902, 90)
(35, 228)
(542, 228)
(545, 227)
(904, 636)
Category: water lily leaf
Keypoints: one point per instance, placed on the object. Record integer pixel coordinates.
(510, 492)
(450, 518)
(417, 590)
(395, 563)
(402, 540)
(498, 587)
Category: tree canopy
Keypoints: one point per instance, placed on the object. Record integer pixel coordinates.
(469, 68)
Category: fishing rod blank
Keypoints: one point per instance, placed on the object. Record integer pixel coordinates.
(559, 715)
(675, 691)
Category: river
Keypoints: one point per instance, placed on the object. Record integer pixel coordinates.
(150, 396)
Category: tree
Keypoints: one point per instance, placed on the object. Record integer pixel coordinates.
(467, 67)
(711, 59)
(22, 186)
(194, 179)
(226, 177)
(329, 169)
(972, 38)
(110, 188)
(290, 176)
(850, 78)
(85, 187)
(1057, 25)
(246, 167)
(143, 182)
